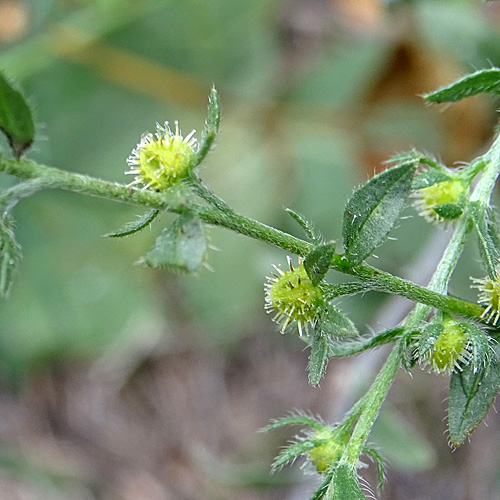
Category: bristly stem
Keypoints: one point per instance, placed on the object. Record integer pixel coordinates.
(219, 214)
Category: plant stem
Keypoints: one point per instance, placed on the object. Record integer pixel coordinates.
(372, 401)
(219, 214)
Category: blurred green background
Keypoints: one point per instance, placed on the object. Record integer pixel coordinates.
(122, 382)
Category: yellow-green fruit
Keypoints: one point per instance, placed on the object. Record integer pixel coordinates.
(293, 296)
(449, 349)
(325, 455)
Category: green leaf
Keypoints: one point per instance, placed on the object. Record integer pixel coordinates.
(295, 420)
(317, 262)
(430, 335)
(482, 81)
(320, 492)
(374, 209)
(304, 224)
(345, 484)
(489, 239)
(16, 121)
(318, 358)
(135, 226)
(379, 461)
(449, 211)
(10, 255)
(211, 127)
(471, 395)
(355, 346)
(180, 247)
(429, 178)
(293, 451)
(331, 322)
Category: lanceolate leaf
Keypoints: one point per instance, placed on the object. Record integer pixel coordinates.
(16, 121)
(304, 224)
(483, 81)
(180, 247)
(318, 260)
(135, 226)
(295, 450)
(374, 209)
(471, 395)
(295, 420)
(211, 127)
(318, 357)
(355, 346)
(489, 239)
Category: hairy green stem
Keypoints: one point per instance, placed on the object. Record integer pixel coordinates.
(219, 214)
(372, 401)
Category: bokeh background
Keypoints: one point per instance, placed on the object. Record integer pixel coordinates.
(125, 383)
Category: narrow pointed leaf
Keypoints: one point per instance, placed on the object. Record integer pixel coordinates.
(295, 450)
(295, 420)
(304, 224)
(16, 121)
(317, 262)
(320, 492)
(135, 226)
(489, 239)
(10, 255)
(374, 209)
(180, 247)
(471, 395)
(355, 346)
(211, 127)
(318, 358)
(379, 461)
(483, 81)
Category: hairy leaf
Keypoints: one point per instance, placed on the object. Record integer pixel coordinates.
(379, 461)
(304, 224)
(374, 209)
(211, 127)
(482, 81)
(293, 451)
(429, 178)
(471, 395)
(135, 226)
(180, 247)
(318, 358)
(449, 211)
(16, 121)
(331, 322)
(362, 344)
(320, 492)
(489, 239)
(317, 262)
(295, 420)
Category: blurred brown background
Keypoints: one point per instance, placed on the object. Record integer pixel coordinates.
(125, 383)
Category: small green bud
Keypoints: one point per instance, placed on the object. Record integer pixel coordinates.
(293, 296)
(162, 159)
(450, 349)
(489, 297)
(325, 455)
(442, 201)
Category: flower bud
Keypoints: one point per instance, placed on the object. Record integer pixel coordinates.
(293, 296)
(162, 159)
